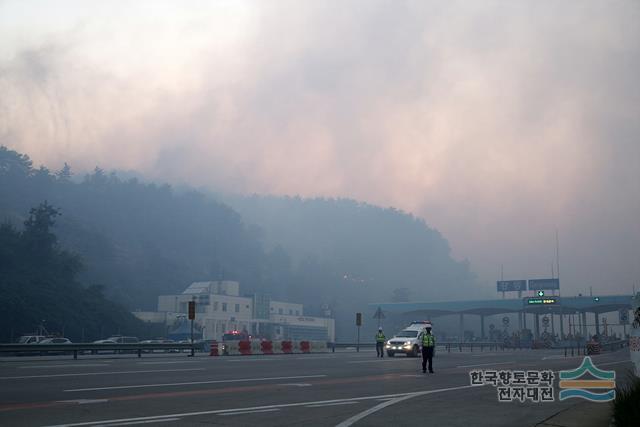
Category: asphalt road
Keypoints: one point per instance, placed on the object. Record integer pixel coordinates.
(345, 388)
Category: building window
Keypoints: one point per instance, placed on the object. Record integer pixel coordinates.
(237, 308)
(279, 311)
(224, 306)
(215, 306)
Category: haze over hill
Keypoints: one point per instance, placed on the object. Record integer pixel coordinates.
(497, 122)
(140, 240)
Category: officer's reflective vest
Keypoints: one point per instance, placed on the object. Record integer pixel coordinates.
(428, 340)
(380, 337)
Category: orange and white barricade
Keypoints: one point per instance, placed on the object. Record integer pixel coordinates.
(244, 347)
(304, 347)
(287, 347)
(215, 350)
(319, 347)
(232, 348)
(266, 347)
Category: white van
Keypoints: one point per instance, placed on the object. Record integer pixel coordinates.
(408, 340)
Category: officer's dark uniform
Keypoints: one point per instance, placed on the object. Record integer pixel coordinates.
(428, 347)
(380, 344)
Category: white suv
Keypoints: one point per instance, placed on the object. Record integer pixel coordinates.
(408, 340)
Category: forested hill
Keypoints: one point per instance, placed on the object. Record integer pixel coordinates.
(141, 240)
(39, 287)
(138, 240)
(388, 253)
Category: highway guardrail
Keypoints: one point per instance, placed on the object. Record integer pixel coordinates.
(477, 345)
(81, 348)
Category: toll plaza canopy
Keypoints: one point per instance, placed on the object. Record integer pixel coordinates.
(547, 304)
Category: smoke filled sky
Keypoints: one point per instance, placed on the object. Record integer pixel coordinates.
(497, 122)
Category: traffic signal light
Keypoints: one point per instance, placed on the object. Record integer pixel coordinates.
(358, 319)
(192, 310)
(540, 293)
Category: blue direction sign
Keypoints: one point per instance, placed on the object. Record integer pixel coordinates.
(541, 284)
(511, 285)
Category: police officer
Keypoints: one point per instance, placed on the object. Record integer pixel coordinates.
(428, 348)
(380, 338)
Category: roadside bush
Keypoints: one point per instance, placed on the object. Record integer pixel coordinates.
(626, 405)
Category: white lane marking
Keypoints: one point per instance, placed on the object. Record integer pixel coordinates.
(85, 365)
(166, 420)
(297, 384)
(241, 380)
(383, 360)
(315, 357)
(378, 407)
(248, 412)
(484, 364)
(257, 408)
(614, 363)
(491, 354)
(169, 363)
(559, 356)
(84, 401)
(350, 421)
(83, 374)
(332, 404)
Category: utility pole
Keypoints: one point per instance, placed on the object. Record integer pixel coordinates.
(358, 324)
(558, 259)
(558, 277)
(192, 316)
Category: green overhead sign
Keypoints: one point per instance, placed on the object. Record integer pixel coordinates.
(542, 301)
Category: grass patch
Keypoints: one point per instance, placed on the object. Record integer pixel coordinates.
(626, 405)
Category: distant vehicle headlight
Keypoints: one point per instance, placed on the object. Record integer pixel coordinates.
(407, 343)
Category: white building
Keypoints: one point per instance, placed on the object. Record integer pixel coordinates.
(220, 308)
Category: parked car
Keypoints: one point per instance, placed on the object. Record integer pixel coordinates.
(50, 341)
(116, 339)
(150, 342)
(55, 341)
(168, 341)
(157, 341)
(31, 339)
